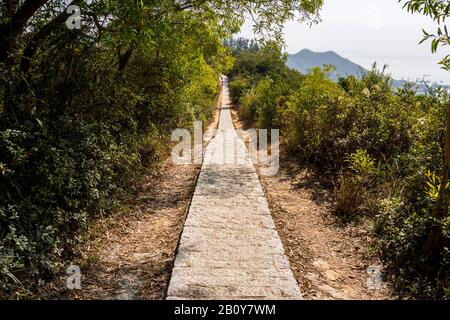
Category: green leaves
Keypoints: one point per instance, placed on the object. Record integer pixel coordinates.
(362, 163)
(93, 106)
(439, 11)
(432, 185)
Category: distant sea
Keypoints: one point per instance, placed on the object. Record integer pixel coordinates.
(406, 68)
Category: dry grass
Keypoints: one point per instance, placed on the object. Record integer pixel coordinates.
(130, 254)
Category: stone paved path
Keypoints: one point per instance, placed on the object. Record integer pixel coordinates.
(230, 248)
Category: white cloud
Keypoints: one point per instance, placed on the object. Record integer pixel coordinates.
(365, 32)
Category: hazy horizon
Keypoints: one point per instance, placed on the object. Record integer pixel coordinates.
(364, 32)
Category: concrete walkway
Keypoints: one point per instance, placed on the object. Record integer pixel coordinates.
(230, 248)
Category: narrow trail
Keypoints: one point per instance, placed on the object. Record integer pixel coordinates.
(230, 248)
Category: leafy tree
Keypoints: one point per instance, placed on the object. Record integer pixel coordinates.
(82, 111)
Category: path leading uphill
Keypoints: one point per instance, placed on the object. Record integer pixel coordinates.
(229, 247)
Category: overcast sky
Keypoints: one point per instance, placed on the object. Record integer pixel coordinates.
(365, 31)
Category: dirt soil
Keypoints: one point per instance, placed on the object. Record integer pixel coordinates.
(130, 255)
(329, 259)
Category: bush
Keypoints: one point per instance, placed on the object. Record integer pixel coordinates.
(381, 147)
(402, 232)
(354, 189)
(76, 134)
(238, 86)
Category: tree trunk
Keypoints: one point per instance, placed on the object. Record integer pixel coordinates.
(123, 59)
(6, 43)
(11, 30)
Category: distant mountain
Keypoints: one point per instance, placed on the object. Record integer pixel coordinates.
(306, 59)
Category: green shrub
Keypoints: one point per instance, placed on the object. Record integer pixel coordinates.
(381, 147)
(75, 136)
(238, 87)
(355, 188)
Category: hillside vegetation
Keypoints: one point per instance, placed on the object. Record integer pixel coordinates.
(82, 111)
(380, 149)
